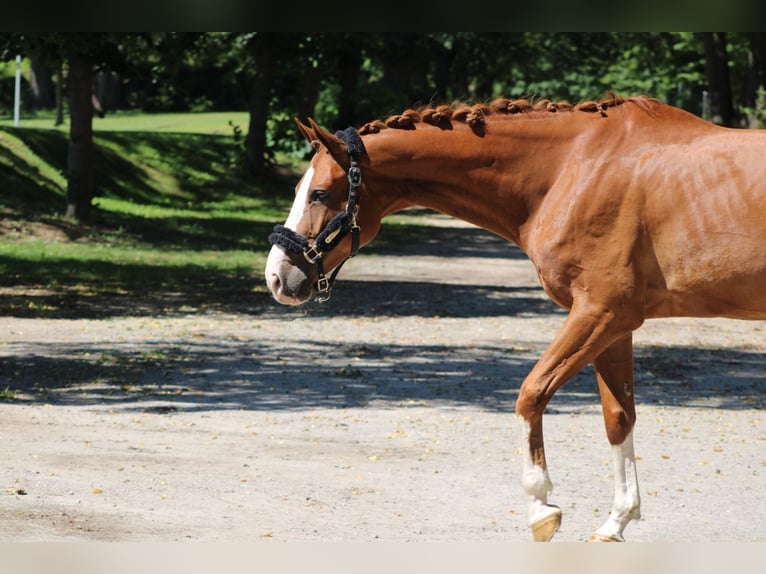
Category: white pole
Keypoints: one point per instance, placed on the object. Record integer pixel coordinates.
(17, 93)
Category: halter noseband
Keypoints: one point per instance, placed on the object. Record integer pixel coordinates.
(336, 229)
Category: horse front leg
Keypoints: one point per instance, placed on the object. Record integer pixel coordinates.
(614, 371)
(587, 331)
(544, 518)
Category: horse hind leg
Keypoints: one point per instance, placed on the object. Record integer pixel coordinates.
(584, 336)
(614, 371)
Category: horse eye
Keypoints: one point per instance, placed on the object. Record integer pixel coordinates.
(318, 195)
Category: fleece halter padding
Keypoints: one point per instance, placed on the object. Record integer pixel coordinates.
(288, 239)
(332, 234)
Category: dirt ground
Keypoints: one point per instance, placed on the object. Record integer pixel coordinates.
(384, 414)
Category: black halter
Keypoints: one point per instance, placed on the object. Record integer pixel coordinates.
(336, 229)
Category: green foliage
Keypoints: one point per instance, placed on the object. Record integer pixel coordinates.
(757, 112)
(8, 86)
(353, 77)
(667, 66)
(282, 135)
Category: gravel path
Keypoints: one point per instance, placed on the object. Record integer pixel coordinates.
(384, 414)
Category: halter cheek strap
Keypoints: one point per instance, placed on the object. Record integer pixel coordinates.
(336, 229)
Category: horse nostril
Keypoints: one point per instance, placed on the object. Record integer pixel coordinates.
(274, 283)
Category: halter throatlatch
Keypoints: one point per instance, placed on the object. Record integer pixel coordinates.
(336, 229)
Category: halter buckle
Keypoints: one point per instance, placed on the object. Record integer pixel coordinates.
(323, 286)
(311, 254)
(355, 176)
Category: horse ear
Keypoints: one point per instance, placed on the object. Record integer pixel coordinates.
(333, 143)
(306, 131)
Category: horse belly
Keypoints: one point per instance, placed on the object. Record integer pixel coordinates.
(702, 287)
(734, 305)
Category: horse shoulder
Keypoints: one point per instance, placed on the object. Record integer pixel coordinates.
(585, 236)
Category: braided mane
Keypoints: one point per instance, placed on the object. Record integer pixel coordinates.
(475, 115)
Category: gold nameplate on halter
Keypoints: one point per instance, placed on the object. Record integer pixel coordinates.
(331, 236)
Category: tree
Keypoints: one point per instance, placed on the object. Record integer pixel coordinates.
(79, 54)
(80, 190)
(41, 85)
(717, 64)
(757, 68)
(347, 53)
(749, 68)
(263, 46)
(282, 72)
(83, 53)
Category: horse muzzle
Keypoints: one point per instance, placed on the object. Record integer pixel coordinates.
(288, 283)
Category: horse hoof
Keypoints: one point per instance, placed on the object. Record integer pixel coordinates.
(543, 530)
(596, 537)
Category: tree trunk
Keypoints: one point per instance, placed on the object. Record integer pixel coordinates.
(106, 89)
(717, 64)
(41, 86)
(349, 64)
(80, 150)
(442, 57)
(256, 162)
(312, 82)
(59, 94)
(399, 65)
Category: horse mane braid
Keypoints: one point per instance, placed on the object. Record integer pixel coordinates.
(475, 115)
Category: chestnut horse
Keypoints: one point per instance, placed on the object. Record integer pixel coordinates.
(629, 209)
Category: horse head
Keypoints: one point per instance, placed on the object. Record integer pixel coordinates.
(331, 217)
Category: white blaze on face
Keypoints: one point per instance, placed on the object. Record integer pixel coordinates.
(277, 255)
(299, 205)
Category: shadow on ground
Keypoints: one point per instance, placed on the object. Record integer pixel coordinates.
(173, 376)
(237, 295)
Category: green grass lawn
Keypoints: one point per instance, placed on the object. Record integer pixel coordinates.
(175, 214)
(211, 123)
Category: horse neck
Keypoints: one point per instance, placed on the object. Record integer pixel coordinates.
(494, 181)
